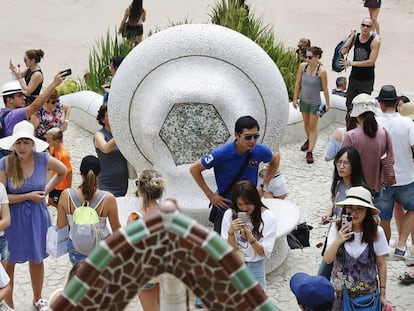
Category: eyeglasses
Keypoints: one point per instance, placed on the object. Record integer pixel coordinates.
(309, 57)
(356, 210)
(248, 137)
(342, 163)
(365, 25)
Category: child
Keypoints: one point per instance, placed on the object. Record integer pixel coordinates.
(54, 137)
(4, 249)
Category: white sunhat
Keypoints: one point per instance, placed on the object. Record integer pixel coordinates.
(10, 88)
(360, 196)
(363, 103)
(23, 129)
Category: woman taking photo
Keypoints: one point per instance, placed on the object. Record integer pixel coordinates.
(24, 173)
(131, 26)
(310, 80)
(347, 174)
(358, 249)
(30, 79)
(87, 191)
(254, 235)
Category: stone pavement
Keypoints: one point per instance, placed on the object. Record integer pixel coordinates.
(309, 188)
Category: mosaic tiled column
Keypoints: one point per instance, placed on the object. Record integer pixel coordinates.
(166, 241)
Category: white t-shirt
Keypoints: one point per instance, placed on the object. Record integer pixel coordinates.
(401, 131)
(269, 226)
(3, 200)
(356, 247)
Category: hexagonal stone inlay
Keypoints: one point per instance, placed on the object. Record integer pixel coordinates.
(191, 130)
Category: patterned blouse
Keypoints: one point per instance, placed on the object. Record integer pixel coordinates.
(48, 120)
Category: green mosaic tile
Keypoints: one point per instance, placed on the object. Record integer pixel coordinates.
(242, 279)
(181, 224)
(101, 257)
(216, 246)
(136, 231)
(75, 290)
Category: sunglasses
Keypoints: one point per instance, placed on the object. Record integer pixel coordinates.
(248, 137)
(309, 57)
(53, 102)
(366, 26)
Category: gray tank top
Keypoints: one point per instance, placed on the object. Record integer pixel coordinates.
(311, 88)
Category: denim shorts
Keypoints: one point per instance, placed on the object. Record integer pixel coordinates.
(258, 270)
(389, 195)
(4, 249)
(74, 256)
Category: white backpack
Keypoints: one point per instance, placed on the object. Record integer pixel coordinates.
(85, 232)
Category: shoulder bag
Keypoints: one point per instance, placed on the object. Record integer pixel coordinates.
(387, 174)
(214, 210)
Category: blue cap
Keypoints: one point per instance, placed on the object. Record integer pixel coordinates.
(312, 291)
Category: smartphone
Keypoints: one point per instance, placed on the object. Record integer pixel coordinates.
(347, 221)
(66, 73)
(243, 216)
(321, 111)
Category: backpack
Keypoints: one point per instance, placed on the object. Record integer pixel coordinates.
(3, 115)
(337, 56)
(85, 232)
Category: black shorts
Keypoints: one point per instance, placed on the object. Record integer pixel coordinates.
(131, 32)
(55, 195)
(373, 4)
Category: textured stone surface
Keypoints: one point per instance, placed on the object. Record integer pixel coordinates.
(202, 64)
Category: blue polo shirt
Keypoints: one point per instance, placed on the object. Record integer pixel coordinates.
(227, 162)
(14, 117)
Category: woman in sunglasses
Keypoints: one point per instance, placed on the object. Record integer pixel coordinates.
(358, 248)
(311, 79)
(52, 114)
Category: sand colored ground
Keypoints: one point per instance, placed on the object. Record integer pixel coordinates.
(66, 30)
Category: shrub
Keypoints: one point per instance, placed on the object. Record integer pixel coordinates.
(231, 14)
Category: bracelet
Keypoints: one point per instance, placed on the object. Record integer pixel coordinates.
(229, 233)
(252, 242)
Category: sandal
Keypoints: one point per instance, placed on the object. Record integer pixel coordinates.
(400, 253)
(406, 279)
(41, 304)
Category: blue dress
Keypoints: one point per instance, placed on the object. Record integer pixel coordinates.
(30, 220)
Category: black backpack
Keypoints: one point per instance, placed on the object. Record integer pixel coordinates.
(337, 56)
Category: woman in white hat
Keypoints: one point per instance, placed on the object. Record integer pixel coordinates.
(369, 139)
(358, 248)
(24, 173)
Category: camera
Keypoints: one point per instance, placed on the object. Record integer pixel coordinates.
(65, 73)
(321, 111)
(347, 221)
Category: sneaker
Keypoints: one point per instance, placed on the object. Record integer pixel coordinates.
(198, 303)
(305, 146)
(399, 252)
(409, 261)
(309, 157)
(40, 305)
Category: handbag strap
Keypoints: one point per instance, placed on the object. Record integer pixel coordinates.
(238, 175)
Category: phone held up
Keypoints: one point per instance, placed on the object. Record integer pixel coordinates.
(65, 73)
(322, 110)
(243, 216)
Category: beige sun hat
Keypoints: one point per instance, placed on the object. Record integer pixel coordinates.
(23, 129)
(359, 196)
(407, 110)
(363, 103)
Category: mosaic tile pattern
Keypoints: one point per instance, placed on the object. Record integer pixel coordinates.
(191, 130)
(163, 242)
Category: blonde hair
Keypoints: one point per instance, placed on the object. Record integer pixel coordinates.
(14, 170)
(55, 133)
(151, 185)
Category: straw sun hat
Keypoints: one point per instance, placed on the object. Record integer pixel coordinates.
(23, 129)
(360, 196)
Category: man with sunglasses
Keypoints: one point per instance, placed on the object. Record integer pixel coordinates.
(228, 160)
(367, 45)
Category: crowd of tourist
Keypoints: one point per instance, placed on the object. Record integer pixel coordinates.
(35, 168)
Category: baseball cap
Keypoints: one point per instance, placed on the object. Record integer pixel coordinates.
(311, 291)
(362, 103)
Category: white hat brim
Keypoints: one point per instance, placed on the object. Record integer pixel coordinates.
(355, 201)
(8, 142)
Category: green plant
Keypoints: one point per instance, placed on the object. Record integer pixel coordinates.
(71, 85)
(99, 58)
(232, 14)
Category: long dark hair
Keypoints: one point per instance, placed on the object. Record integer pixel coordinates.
(135, 10)
(248, 192)
(357, 175)
(370, 125)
